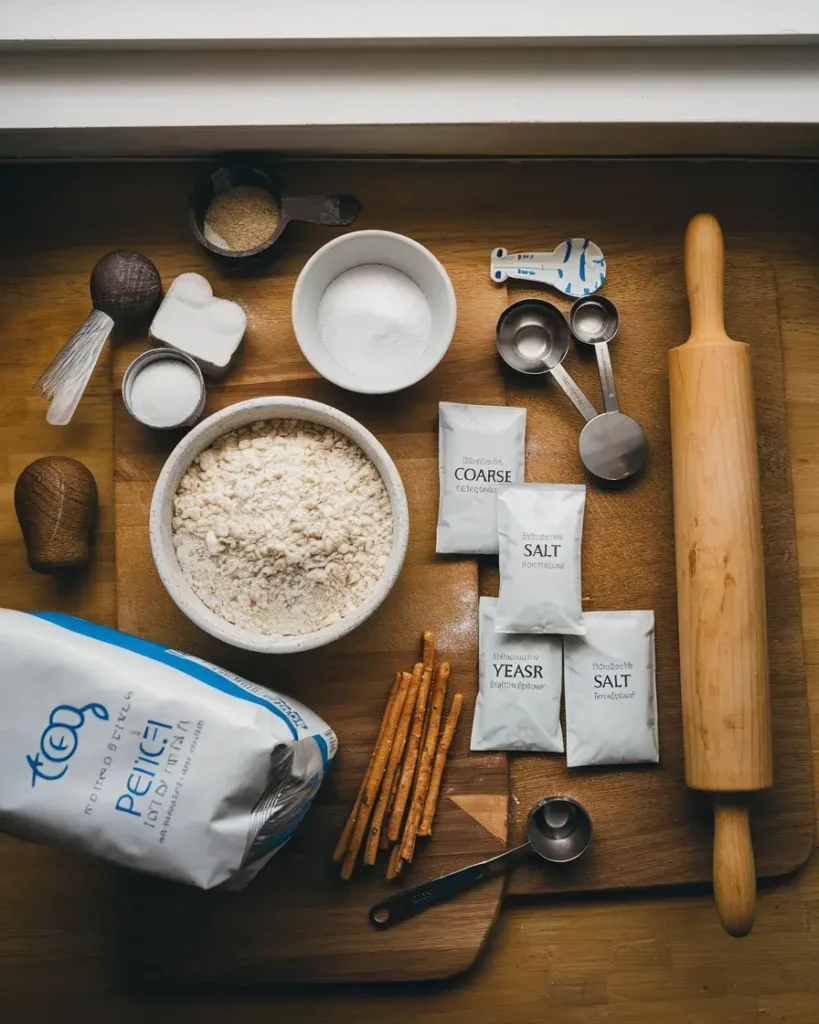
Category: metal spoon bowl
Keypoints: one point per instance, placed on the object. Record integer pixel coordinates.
(559, 831)
(594, 320)
(532, 336)
(613, 446)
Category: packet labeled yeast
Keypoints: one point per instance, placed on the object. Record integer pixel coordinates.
(540, 534)
(116, 746)
(611, 693)
(518, 705)
(480, 448)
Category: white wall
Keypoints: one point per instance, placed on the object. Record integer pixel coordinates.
(113, 77)
(448, 21)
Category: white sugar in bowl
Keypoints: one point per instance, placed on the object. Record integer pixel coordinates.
(374, 311)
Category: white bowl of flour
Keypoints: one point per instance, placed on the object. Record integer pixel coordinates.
(279, 524)
(373, 311)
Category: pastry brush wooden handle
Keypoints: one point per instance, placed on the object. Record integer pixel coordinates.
(734, 876)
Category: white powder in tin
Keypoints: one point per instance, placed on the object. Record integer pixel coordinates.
(282, 527)
(165, 393)
(374, 321)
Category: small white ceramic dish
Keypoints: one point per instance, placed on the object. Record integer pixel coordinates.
(201, 437)
(367, 247)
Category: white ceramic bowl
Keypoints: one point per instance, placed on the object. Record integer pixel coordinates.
(390, 249)
(202, 437)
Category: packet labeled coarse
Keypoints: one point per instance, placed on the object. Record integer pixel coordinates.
(518, 704)
(152, 759)
(540, 533)
(611, 693)
(480, 449)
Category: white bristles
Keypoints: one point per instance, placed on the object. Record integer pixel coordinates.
(66, 377)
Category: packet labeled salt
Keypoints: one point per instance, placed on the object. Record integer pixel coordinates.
(480, 448)
(540, 533)
(518, 705)
(611, 694)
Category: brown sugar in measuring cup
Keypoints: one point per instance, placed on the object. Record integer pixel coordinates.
(244, 208)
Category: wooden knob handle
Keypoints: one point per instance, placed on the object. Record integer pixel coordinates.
(734, 875)
(56, 503)
(704, 277)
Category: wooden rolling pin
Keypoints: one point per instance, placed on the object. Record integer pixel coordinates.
(720, 574)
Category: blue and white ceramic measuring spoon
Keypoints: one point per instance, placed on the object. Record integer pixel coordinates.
(577, 267)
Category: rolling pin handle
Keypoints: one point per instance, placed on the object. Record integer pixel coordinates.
(704, 277)
(734, 875)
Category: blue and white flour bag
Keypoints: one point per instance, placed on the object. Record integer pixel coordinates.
(152, 759)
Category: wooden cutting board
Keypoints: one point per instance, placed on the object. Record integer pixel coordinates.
(298, 924)
(649, 828)
(298, 921)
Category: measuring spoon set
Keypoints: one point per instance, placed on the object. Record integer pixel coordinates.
(533, 337)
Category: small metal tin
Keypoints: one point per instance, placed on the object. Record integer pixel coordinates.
(594, 320)
(151, 356)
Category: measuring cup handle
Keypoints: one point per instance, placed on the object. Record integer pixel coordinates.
(578, 399)
(330, 210)
(414, 901)
(604, 368)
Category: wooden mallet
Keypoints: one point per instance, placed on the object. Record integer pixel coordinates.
(720, 574)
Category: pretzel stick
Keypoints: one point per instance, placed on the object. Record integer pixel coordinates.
(428, 660)
(384, 843)
(428, 657)
(375, 776)
(410, 759)
(344, 839)
(422, 778)
(371, 850)
(431, 802)
(396, 865)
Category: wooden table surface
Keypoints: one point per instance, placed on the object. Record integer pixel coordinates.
(623, 960)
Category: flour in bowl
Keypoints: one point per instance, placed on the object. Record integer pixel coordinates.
(282, 527)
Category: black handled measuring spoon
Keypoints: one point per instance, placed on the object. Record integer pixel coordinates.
(559, 831)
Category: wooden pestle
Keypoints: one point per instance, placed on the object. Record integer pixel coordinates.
(56, 503)
(720, 574)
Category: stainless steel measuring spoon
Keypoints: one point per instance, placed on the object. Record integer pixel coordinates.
(559, 831)
(613, 446)
(533, 337)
